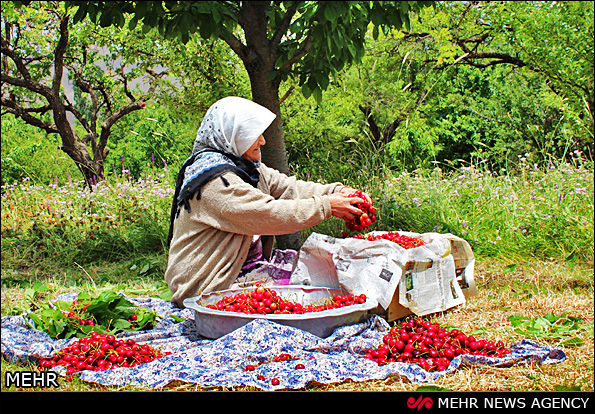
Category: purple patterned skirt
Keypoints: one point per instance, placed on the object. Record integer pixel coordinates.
(276, 271)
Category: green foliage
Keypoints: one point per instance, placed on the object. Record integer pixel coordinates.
(325, 36)
(154, 137)
(556, 39)
(388, 91)
(26, 153)
(450, 116)
(40, 40)
(109, 312)
(479, 114)
(118, 219)
(150, 140)
(200, 72)
(321, 135)
(562, 329)
(339, 31)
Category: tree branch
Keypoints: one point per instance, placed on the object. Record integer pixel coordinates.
(59, 56)
(131, 107)
(306, 45)
(113, 118)
(286, 95)
(126, 89)
(85, 86)
(21, 67)
(25, 114)
(27, 84)
(101, 89)
(367, 111)
(234, 43)
(156, 75)
(462, 43)
(498, 59)
(283, 26)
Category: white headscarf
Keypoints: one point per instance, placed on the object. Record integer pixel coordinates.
(228, 130)
(232, 125)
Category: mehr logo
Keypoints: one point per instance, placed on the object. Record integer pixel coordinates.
(31, 379)
(420, 402)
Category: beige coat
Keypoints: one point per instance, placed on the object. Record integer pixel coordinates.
(210, 244)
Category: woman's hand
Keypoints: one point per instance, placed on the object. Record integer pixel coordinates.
(343, 207)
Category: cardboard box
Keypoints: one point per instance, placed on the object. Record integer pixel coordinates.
(464, 276)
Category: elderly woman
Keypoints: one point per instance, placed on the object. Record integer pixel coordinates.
(226, 198)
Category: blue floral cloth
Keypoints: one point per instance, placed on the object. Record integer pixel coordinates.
(220, 362)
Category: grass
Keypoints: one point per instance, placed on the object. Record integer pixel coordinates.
(531, 290)
(115, 220)
(530, 212)
(531, 231)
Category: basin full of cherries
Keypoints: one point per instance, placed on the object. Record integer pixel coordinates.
(267, 301)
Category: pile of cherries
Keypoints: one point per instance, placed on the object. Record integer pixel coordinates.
(431, 346)
(266, 301)
(404, 241)
(100, 352)
(364, 220)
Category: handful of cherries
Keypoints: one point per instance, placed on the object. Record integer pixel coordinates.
(364, 220)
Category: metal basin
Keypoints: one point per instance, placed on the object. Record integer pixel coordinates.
(213, 324)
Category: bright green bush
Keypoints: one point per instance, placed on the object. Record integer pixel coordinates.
(27, 151)
(150, 139)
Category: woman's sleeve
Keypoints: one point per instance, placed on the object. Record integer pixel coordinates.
(283, 187)
(234, 206)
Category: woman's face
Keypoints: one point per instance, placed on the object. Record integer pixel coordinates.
(253, 153)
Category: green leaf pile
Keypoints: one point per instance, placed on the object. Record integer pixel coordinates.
(109, 312)
(562, 329)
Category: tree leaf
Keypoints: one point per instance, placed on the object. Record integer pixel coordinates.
(121, 324)
(572, 342)
(106, 19)
(79, 15)
(517, 320)
(317, 93)
(329, 12)
(567, 388)
(140, 9)
(306, 91)
(510, 268)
